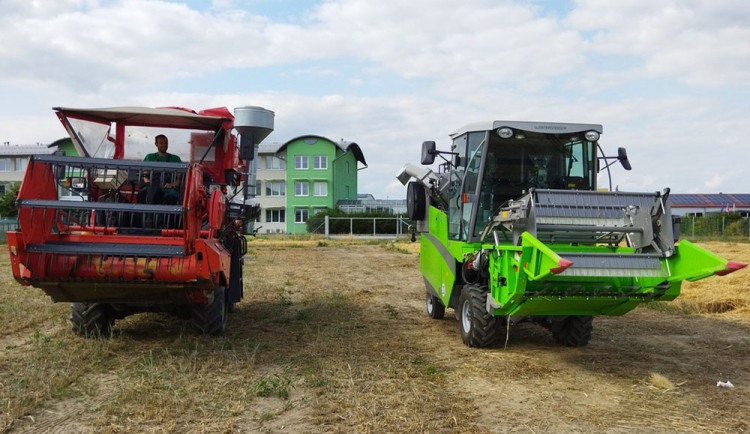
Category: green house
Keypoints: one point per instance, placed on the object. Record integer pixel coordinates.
(304, 176)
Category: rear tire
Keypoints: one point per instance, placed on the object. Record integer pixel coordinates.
(478, 327)
(435, 307)
(573, 331)
(415, 201)
(91, 320)
(211, 318)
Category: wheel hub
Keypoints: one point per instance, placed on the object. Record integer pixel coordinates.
(466, 316)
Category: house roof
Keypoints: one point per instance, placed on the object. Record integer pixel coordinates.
(709, 200)
(272, 148)
(24, 149)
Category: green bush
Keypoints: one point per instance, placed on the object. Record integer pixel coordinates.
(715, 226)
(8, 201)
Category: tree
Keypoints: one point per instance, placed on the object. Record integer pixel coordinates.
(8, 201)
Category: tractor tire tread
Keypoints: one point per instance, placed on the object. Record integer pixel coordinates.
(211, 318)
(573, 331)
(91, 319)
(483, 325)
(438, 309)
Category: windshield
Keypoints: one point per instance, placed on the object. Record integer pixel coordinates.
(140, 141)
(539, 161)
(91, 139)
(97, 140)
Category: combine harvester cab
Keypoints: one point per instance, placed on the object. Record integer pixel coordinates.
(512, 229)
(116, 235)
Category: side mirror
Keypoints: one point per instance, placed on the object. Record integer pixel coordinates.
(428, 153)
(622, 155)
(77, 183)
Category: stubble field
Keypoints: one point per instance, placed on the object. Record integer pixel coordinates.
(332, 337)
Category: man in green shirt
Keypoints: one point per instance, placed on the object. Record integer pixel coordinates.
(168, 193)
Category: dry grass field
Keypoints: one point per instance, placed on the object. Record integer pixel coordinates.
(332, 337)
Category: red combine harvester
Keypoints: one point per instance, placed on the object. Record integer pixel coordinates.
(116, 235)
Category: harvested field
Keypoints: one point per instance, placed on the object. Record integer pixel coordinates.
(332, 337)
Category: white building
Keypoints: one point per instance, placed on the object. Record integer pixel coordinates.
(13, 161)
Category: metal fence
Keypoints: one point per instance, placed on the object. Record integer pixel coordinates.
(721, 226)
(727, 226)
(366, 227)
(7, 224)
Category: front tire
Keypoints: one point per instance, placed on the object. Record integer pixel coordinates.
(435, 307)
(91, 319)
(573, 331)
(211, 318)
(478, 327)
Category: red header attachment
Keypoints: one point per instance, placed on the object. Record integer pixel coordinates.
(731, 267)
(563, 265)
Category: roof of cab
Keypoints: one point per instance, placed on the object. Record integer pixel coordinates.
(149, 117)
(537, 127)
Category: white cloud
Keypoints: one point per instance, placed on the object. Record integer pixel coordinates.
(715, 181)
(698, 42)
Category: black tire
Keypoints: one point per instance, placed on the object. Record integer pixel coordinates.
(91, 320)
(211, 318)
(415, 201)
(573, 331)
(478, 327)
(435, 307)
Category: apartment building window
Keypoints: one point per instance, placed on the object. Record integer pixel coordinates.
(275, 188)
(317, 211)
(300, 162)
(258, 187)
(302, 188)
(275, 216)
(21, 164)
(4, 164)
(320, 189)
(275, 163)
(320, 162)
(301, 215)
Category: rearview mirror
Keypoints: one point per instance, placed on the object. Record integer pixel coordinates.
(622, 155)
(76, 183)
(428, 152)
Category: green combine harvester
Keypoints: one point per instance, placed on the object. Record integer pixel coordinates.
(512, 229)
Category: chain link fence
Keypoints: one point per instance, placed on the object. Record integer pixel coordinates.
(721, 226)
(370, 227)
(7, 224)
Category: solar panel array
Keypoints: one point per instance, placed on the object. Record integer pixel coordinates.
(719, 199)
(686, 199)
(710, 200)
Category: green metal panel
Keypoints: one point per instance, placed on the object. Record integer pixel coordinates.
(436, 262)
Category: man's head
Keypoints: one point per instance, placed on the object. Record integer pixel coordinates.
(162, 144)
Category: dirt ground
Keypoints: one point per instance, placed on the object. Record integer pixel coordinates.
(334, 337)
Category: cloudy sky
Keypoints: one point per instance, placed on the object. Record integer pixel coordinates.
(668, 79)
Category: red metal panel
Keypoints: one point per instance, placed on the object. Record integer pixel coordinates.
(38, 183)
